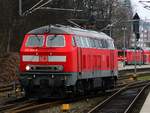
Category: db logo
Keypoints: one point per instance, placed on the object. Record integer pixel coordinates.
(43, 58)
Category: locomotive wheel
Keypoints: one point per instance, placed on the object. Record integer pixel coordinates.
(61, 92)
(87, 86)
(114, 82)
(27, 93)
(80, 88)
(28, 89)
(108, 83)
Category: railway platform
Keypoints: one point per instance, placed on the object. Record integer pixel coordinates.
(146, 106)
(132, 67)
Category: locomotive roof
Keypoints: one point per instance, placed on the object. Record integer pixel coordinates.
(60, 29)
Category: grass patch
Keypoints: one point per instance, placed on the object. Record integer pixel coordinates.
(144, 77)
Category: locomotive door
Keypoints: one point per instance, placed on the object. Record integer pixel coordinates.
(79, 57)
(112, 59)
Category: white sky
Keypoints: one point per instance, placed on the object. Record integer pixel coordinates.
(139, 8)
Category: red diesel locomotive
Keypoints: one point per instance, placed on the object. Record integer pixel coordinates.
(55, 60)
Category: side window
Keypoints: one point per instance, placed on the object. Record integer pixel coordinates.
(89, 42)
(103, 43)
(92, 43)
(84, 42)
(96, 43)
(106, 43)
(111, 44)
(100, 44)
(78, 41)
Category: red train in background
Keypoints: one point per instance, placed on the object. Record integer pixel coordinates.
(146, 52)
(55, 60)
(128, 56)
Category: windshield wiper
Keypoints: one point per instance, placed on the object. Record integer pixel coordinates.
(38, 38)
(54, 36)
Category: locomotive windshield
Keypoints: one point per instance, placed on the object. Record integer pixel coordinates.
(35, 41)
(55, 41)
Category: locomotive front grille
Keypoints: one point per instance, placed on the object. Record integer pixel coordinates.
(46, 68)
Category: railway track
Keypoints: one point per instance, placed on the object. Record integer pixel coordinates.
(30, 106)
(35, 107)
(12, 105)
(123, 100)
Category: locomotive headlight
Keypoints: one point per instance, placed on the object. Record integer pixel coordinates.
(27, 68)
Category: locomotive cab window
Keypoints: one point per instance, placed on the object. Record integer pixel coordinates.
(35, 41)
(55, 41)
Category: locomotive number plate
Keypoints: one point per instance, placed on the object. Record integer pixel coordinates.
(43, 58)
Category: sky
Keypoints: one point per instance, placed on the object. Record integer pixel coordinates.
(138, 7)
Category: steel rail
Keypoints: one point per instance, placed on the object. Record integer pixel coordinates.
(13, 105)
(135, 99)
(129, 86)
(118, 87)
(9, 87)
(36, 107)
(105, 101)
(21, 106)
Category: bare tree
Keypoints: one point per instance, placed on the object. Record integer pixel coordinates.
(103, 12)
